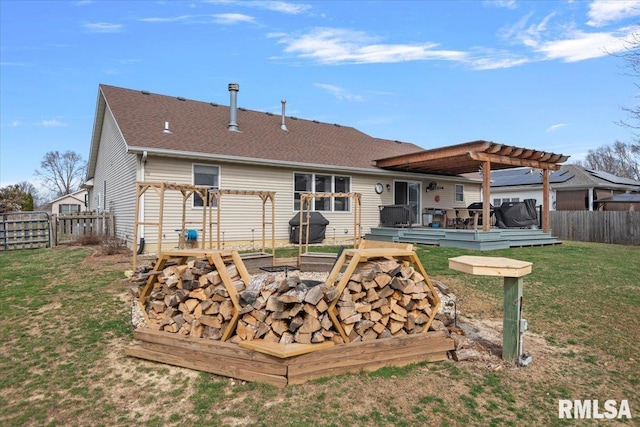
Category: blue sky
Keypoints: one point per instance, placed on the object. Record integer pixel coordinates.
(536, 74)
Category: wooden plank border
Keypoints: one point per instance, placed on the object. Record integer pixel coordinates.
(231, 360)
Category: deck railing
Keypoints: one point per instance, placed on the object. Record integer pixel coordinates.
(397, 215)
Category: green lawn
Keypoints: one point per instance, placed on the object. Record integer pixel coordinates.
(65, 321)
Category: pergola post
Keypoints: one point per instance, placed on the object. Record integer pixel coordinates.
(545, 200)
(486, 195)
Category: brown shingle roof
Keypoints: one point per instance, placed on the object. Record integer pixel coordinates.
(201, 128)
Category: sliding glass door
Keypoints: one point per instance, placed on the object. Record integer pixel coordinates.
(408, 193)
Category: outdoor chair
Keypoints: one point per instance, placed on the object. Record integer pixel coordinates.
(464, 218)
(450, 218)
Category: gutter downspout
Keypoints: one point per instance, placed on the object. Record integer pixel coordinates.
(143, 163)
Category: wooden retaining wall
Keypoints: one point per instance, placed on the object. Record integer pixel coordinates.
(231, 360)
(617, 227)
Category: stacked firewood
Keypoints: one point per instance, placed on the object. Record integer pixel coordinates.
(289, 311)
(384, 298)
(192, 300)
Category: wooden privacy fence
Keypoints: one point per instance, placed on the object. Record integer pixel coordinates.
(71, 227)
(24, 230)
(619, 227)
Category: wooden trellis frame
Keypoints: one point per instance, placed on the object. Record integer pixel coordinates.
(210, 196)
(305, 206)
(216, 196)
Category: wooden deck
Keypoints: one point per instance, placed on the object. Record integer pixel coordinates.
(497, 238)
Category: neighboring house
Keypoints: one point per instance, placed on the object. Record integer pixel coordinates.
(572, 187)
(70, 203)
(621, 202)
(141, 136)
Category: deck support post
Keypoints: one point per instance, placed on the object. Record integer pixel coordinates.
(511, 318)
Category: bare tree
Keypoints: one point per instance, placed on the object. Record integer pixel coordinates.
(631, 59)
(623, 158)
(61, 173)
(620, 158)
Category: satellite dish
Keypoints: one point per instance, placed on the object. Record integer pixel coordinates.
(432, 186)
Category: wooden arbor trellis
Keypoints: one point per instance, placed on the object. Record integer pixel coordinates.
(305, 207)
(213, 197)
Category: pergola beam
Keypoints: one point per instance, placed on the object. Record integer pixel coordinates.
(514, 161)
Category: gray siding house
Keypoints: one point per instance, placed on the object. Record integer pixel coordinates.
(572, 187)
(140, 136)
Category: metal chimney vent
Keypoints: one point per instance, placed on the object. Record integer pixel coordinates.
(283, 126)
(234, 88)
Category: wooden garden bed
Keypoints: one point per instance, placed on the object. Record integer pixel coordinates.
(229, 359)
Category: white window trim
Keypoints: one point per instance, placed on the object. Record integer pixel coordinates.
(193, 179)
(313, 184)
(455, 192)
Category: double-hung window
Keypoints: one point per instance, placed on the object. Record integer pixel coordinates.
(206, 175)
(459, 196)
(68, 208)
(320, 183)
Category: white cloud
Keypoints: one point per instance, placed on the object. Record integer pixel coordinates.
(289, 8)
(220, 18)
(232, 18)
(603, 12)
(284, 7)
(579, 46)
(553, 128)
(339, 93)
(495, 62)
(525, 33)
(103, 27)
(565, 41)
(52, 123)
(167, 19)
(339, 46)
(508, 4)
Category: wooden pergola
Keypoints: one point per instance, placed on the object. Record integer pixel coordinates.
(480, 156)
(214, 201)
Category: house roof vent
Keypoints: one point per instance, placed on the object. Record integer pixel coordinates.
(234, 88)
(283, 126)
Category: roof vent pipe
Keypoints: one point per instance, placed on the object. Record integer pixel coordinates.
(234, 88)
(283, 126)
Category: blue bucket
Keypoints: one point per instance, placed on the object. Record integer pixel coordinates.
(192, 235)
